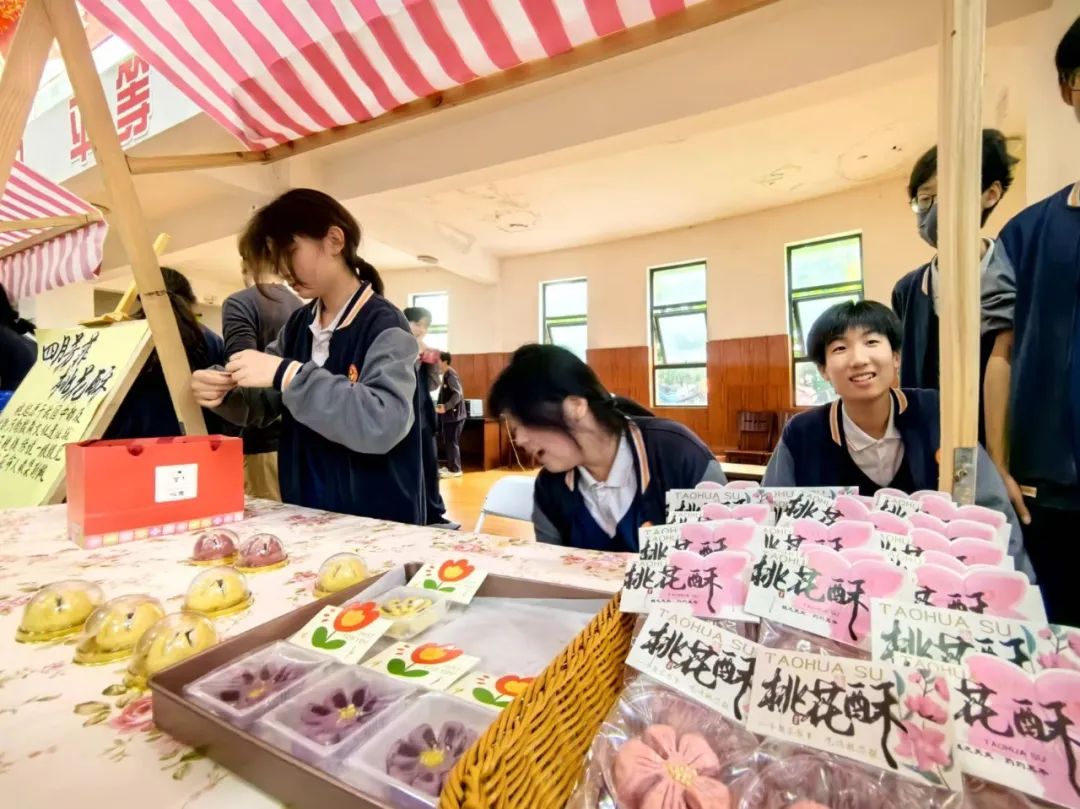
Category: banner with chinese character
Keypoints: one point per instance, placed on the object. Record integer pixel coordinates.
(685, 505)
(696, 658)
(77, 373)
(866, 711)
(815, 502)
(1018, 729)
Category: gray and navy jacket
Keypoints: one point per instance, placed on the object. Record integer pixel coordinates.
(349, 439)
(452, 397)
(813, 452)
(666, 456)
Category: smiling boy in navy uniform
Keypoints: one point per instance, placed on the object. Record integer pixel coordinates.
(1043, 429)
(874, 435)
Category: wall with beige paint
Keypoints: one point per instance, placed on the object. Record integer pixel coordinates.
(746, 277)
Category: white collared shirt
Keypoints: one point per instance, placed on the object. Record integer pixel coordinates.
(320, 336)
(935, 276)
(609, 500)
(878, 458)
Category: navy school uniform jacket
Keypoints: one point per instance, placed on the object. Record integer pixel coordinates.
(18, 353)
(666, 456)
(1043, 242)
(350, 441)
(813, 452)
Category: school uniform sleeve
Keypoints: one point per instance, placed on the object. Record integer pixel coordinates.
(781, 468)
(990, 492)
(457, 393)
(714, 473)
(998, 292)
(545, 529)
(898, 297)
(371, 415)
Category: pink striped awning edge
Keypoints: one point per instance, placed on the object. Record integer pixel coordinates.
(65, 259)
(274, 71)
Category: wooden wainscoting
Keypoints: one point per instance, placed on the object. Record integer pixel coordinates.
(749, 373)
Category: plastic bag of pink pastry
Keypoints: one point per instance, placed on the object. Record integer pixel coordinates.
(777, 636)
(791, 777)
(659, 750)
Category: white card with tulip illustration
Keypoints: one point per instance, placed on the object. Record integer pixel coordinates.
(488, 690)
(455, 580)
(434, 666)
(344, 633)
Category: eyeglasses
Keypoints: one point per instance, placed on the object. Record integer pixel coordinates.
(923, 203)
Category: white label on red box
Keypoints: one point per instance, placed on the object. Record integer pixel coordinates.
(175, 483)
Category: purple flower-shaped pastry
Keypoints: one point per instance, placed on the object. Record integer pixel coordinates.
(341, 713)
(422, 759)
(250, 686)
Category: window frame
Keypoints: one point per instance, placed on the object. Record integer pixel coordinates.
(563, 320)
(416, 299)
(815, 293)
(658, 312)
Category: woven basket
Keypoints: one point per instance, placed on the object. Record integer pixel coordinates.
(532, 756)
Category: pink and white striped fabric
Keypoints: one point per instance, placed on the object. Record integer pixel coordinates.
(271, 71)
(65, 259)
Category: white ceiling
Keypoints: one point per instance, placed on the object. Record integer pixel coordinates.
(806, 140)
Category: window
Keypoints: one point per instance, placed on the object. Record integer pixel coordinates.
(820, 274)
(678, 334)
(438, 303)
(563, 315)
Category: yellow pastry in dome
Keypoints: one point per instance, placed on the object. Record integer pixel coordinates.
(411, 610)
(58, 610)
(218, 591)
(340, 571)
(115, 627)
(174, 638)
(404, 607)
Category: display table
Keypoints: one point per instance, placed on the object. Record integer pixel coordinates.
(71, 734)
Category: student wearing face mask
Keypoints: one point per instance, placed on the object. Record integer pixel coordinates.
(1038, 438)
(915, 297)
(873, 436)
(607, 462)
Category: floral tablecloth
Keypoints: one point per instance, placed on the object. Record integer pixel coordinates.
(72, 734)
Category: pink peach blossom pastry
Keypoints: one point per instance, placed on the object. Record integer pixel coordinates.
(660, 770)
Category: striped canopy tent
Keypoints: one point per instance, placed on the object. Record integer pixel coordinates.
(48, 236)
(275, 71)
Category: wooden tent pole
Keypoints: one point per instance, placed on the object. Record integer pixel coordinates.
(78, 220)
(959, 184)
(20, 80)
(127, 215)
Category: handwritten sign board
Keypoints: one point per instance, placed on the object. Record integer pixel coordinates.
(80, 378)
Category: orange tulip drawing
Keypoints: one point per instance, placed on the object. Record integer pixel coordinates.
(506, 689)
(427, 654)
(354, 617)
(449, 572)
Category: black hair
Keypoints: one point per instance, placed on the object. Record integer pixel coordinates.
(997, 166)
(268, 236)
(182, 298)
(9, 316)
(539, 378)
(835, 322)
(1067, 57)
(417, 314)
(445, 356)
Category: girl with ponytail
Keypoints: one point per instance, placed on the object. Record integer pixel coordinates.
(607, 461)
(340, 374)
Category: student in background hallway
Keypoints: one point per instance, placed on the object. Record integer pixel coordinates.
(147, 410)
(251, 319)
(427, 382)
(451, 410)
(17, 351)
(1041, 365)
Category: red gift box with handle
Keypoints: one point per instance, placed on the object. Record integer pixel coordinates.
(122, 490)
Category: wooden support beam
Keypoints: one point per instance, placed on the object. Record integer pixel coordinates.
(693, 18)
(38, 238)
(130, 297)
(78, 220)
(127, 214)
(20, 80)
(959, 185)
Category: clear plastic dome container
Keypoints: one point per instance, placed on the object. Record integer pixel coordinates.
(339, 572)
(217, 547)
(217, 592)
(115, 627)
(58, 610)
(174, 638)
(261, 553)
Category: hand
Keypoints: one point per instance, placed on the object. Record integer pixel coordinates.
(1012, 488)
(253, 369)
(211, 387)
(440, 408)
